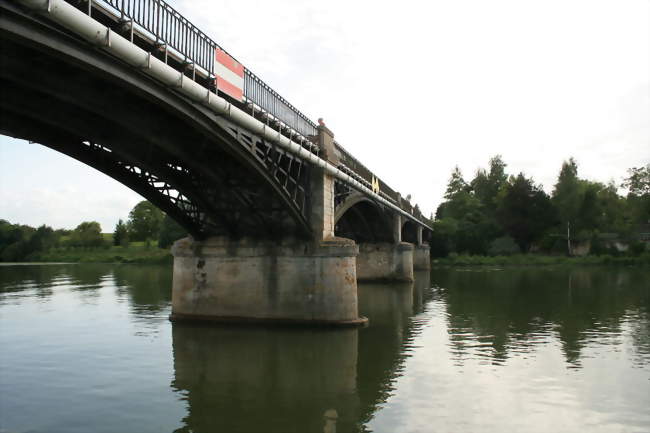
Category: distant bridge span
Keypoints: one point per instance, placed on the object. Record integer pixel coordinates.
(132, 89)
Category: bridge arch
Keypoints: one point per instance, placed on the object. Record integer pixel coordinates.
(211, 176)
(361, 219)
(410, 232)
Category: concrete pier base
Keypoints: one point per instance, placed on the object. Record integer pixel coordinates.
(421, 257)
(223, 280)
(385, 262)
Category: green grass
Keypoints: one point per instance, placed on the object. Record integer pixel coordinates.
(540, 260)
(134, 253)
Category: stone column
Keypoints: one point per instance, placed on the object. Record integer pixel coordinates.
(421, 256)
(322, 187)
(397, 228)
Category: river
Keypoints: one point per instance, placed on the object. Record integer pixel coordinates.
(89, 348)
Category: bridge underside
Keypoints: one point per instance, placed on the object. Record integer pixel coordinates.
(205, 172)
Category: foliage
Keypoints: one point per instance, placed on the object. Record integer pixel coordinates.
(524, 211)
(113, 254)
(145, 221)
(637, 248)
(486, 185)
(638, 181)
(480, 216)
(638, 185)
(170, 232)
(87, 234)
(542, 260)
(121, 234)
(567, 193)
(503, 246)
(86, 243)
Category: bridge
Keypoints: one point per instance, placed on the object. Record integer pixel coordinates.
(282, 219)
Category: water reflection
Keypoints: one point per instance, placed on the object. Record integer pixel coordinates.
(274, 380)
(493, 314)
(148, 288)
(42, 281)
(241, 379)
(513, 332)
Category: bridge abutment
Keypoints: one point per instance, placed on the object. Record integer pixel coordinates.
(385, 262)
(225, 280)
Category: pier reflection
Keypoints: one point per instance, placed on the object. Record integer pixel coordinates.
(239, 379)
(242, 379)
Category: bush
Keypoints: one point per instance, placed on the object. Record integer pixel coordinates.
(637, 248)
(503, 246)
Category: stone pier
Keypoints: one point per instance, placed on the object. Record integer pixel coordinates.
(421, 257)
(385, 262)
(253, 281)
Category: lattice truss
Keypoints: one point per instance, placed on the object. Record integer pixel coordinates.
(290, 172)
(341, 193)
(230, 201)
(162, 186)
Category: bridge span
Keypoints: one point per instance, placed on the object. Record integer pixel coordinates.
(282, 219)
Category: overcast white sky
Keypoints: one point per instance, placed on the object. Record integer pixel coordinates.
(411, 88)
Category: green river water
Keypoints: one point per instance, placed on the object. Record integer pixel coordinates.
(89, 348)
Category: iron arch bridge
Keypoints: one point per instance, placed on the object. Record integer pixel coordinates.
(212, 173)
(283, 220)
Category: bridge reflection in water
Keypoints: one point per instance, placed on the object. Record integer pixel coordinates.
(296, 380)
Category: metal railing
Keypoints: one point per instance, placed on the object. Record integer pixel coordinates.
(168, 28)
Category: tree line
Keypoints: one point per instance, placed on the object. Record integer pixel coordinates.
(145, 223)
(499, 214)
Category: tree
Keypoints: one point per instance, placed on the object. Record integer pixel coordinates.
(121, 234)
(466, 228)
(42, 239)
(638, 197)
(486, 185)
(87, 234)
(170, 232)
(525, 211)
(638, 181)
(567, 196)
(456, 184)
(144, 221)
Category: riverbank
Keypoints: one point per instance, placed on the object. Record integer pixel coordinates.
(115, 254)
(540, 260)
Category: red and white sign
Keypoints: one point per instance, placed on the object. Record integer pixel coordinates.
(230, 75)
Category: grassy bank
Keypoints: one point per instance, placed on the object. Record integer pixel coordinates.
(540, 260)
(137, 253)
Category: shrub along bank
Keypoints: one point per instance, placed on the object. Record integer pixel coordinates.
(537, 260)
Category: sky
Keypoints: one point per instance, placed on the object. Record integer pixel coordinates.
(412, 89)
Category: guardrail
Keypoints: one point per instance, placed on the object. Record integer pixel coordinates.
(170, 29)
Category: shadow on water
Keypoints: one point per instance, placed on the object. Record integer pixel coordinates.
(493, 313)
(241, 379)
